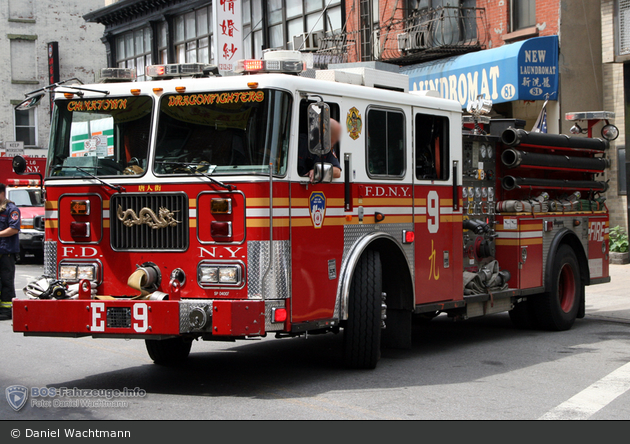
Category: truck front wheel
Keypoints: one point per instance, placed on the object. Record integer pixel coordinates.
(168, 351)
(557, 308)
(362, 334)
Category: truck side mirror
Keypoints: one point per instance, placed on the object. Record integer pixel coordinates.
(322, 172)
(29, 103)
(19, 164)
(319, 128)
(19, 167)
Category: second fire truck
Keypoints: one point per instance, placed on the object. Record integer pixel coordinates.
(175, 212)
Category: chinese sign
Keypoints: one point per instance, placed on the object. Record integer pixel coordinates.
(526, 70)
(53, 67)
(228, 33)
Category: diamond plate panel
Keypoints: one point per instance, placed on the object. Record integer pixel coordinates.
(50, 259)
(185, 307)
(269, 306)
(352, 233)
(580, 231)
(277, 282)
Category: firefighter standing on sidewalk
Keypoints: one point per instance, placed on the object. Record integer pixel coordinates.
(9, 245)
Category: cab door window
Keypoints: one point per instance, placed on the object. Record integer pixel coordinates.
(385, 143)
(432, 144)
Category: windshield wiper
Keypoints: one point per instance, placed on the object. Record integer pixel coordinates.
(118, 188)
(63, 83)
(188, 168)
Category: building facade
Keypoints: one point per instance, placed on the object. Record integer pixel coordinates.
(615, 16)
(495, 40)
(140, 32)
(28, 26)
(444, 44)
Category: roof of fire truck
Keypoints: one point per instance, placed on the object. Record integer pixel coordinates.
(386, 87)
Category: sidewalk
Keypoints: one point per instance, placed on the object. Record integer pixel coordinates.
(611, 300)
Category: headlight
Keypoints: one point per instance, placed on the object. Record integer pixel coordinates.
(68, 272)
(77, 270)
(26, 223)
(86, 272)
(213, 274)
(228, 275)
(208, 275)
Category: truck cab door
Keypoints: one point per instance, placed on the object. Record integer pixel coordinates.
(316, 234)
(437, 224)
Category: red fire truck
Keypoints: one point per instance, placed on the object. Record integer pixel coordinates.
(178, 209)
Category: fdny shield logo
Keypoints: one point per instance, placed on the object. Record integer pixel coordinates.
(16, 396)
(317, 208)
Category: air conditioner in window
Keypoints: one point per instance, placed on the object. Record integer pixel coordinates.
(306, 41)
(403, 41)
(376, 44)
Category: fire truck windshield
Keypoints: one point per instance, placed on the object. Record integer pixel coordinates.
(234, 132)
(100, 137)
(26, 198)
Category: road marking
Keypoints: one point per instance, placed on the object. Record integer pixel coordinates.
(594, 398)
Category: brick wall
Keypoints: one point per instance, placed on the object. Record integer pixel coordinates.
(498, 18)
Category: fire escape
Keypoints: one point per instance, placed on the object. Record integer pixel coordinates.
(404, 38)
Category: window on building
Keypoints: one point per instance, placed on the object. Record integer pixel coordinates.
(24, 60)
(193, 36)
(451, 25)
(25, 127)
(623, 27)
(162, 42)
(21, 10)
(133, 50)
(285, 19)
(385, 143)
(432, 145)
(621, 171)
(523, 14)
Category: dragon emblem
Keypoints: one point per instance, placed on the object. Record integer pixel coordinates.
(148, 217)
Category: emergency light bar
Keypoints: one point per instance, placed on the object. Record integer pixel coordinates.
(254, 66)
(108, 75)
(23, 182)
(179, 70)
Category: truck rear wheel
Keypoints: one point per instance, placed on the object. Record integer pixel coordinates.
(557, 308)
(362, 334)
(168, 351)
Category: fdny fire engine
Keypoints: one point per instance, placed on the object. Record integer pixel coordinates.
(176, 210)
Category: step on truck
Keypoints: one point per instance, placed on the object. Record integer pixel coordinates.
(181, 208)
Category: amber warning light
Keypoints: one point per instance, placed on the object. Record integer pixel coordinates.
(80, 208)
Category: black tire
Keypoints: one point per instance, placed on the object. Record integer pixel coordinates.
(362, 333)
(523, 315)
(168, 351)
(557, 308)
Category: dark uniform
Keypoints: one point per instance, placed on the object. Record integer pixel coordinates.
(9, 246)
(306, 160)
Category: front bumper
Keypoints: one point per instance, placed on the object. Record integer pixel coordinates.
(32, 240)
(129, 318)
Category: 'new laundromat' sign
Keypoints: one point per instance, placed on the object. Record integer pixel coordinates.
(526, 70)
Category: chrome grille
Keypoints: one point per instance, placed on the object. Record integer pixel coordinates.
(142, 236)
(38, 223)
(118, 317)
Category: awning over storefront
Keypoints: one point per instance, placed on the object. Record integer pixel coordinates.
(526, 70)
